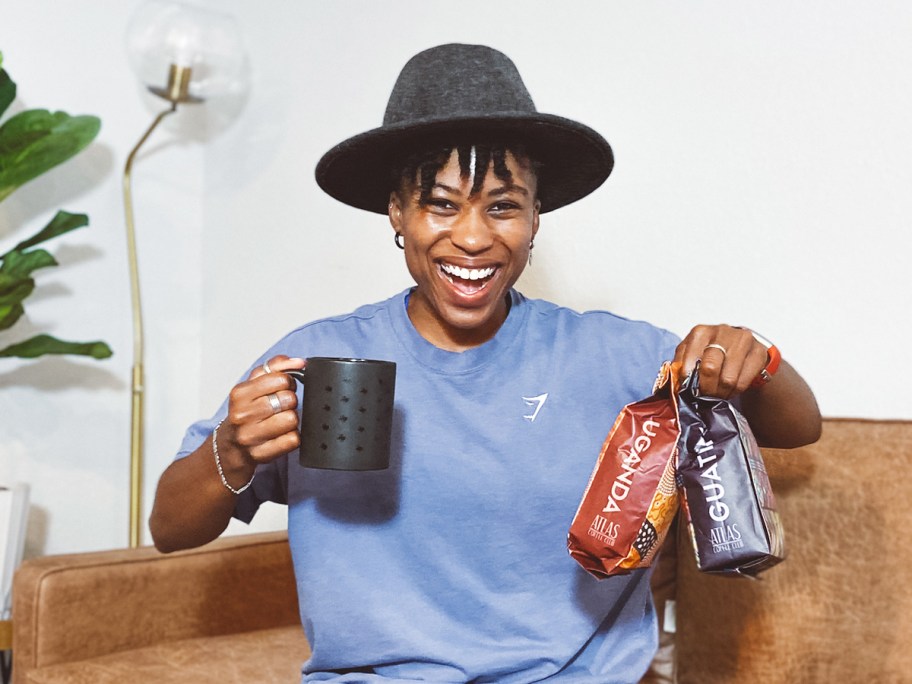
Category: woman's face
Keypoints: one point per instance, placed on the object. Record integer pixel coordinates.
(465, 251)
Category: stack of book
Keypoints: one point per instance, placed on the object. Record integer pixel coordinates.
(13, 516)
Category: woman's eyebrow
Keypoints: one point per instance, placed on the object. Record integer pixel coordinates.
(447, 188)
(493, 192)
(506, 189)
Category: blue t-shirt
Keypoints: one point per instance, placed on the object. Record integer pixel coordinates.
(452, 565)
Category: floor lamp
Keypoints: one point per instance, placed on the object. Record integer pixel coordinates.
(201, 53)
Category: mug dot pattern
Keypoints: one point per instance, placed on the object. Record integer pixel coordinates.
(350, 428)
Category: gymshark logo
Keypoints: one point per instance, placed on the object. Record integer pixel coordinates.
(537, 402)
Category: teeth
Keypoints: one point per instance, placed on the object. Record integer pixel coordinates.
(467, 273)
(450, 278)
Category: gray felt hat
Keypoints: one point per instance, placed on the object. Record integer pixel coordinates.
(464, 93)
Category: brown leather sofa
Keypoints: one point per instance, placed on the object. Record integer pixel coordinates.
(838, 610)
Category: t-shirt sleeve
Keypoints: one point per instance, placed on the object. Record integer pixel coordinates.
(669, 343)
(270, 483)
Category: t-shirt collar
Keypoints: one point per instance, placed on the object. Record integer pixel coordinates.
(445, 361)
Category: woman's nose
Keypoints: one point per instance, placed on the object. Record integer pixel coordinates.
(471, 232)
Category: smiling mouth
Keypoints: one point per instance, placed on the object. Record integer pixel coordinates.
(467, 280)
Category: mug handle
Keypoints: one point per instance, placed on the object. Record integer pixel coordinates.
(296, 374)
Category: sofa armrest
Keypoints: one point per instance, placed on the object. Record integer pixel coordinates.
(78, 606)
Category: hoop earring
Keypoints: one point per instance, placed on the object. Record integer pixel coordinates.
(399, 240)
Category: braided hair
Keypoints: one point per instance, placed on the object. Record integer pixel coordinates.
(474, 160)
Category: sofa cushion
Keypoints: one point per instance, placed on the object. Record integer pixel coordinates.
(267, 655)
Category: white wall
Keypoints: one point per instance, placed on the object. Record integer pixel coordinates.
(762, 177)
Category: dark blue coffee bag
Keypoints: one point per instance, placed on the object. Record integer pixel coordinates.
(727, 498)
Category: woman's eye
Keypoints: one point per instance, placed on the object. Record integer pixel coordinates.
(502, 207)
(439, 203)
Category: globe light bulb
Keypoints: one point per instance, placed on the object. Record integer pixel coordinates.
(185, 53)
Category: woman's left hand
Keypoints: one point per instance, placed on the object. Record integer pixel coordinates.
(782, 414)
(730, 358)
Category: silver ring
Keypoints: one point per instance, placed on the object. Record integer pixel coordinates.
(275, 402)
(266, 368)
(716, 346)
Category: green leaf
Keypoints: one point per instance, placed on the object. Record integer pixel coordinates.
(7, 282)
(62, 223)
(18, 264)
(9, 314)
(36, 140)
(15, 291)
(45, 344)
(7, 89)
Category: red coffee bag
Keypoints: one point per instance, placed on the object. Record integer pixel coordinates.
(631, 498)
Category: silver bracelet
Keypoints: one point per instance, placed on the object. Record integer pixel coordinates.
(218, 463)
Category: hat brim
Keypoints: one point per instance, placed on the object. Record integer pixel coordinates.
(575, 159)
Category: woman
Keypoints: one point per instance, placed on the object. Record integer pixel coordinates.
(452, 564)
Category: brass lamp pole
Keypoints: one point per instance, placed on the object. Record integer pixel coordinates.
(176, 93)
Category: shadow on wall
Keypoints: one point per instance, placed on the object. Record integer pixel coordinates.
(535, 283)
(63, 186)
(50, 373)
(561, 233)
(36, 530)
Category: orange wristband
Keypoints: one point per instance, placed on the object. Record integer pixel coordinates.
(773, 358)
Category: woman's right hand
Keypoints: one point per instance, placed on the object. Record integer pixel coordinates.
(262, 421)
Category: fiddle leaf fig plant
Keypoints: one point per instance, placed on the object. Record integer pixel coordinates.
(31, 143)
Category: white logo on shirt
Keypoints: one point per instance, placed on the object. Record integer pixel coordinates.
(537, 402)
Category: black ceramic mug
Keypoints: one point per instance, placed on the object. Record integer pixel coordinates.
(346, 413)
